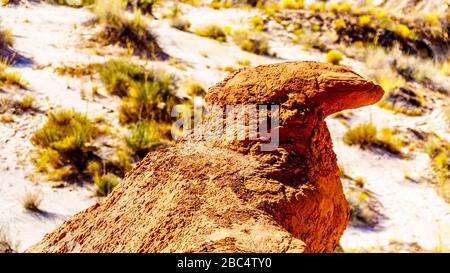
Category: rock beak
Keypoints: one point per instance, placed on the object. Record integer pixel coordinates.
(345, 90)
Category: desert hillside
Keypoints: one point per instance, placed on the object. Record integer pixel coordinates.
(87, 88)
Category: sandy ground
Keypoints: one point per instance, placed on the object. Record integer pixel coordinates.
(46, 34)
(414, 211)
(43, 34)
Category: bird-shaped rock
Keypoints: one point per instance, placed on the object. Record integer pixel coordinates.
(276, 188)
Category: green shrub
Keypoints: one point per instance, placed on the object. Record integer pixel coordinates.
(12, 78)
(362, 134)
(6, 119)
(180, 24)
(143, 137)
(317, 7)
(339, 24)
(364, 20)
(432, 18)
(257, 23)
(146, 94)
(316, 28)
(344, 7)
(79, 70)
(403, 31)
(212, 31)
(8, 77)
(73, 3)
(105, 183)
(359, 181)
(150, 99)
(334, 57)
(256, 43)
(439, 152)
(131, 33)
(118, 75)
(145, 6)
(218, 4)
(243, 62)
(26, 103)
(6, 38)
(291, 4)
(195, 90)
(366, 134)
(62, 144)
(389, 141)
(123, 161)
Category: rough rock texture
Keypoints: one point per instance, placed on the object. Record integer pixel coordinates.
(225, 196)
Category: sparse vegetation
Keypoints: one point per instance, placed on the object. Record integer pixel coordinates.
(359, 181)
(6, 119)
(146, 94)
(317, 7)
(149, 99)
(403, 31)
(362, 134)
(291, 4)
(31, 201)
(342, 7)
(339, 24)
(380, 65)
(77, 70)
(438, 150)
(404, 100)
(62, 144)
(72, 3)
(145, 6)
(195, 90)
(256, 43)
(243, 62)
(334, 57)
(212, 31)
(106, 183)
(389, 141)
(131, 33)
(26, 103)
(364, 20)
(218, 4)
(366, 134)
(8, 77)
(6, 245)
(118, 75)
(180, 24)
(6, 38)
(365, 209)
(123, 161)
(257, 23)
(144, 137)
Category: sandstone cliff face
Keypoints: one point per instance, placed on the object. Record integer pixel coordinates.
(221, 195)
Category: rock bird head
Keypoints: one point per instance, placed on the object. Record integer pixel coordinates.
(324, 87)
(306, 93)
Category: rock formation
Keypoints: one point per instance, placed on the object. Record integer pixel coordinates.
(222, 195)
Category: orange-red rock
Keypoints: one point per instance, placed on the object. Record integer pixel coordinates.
(201, 195)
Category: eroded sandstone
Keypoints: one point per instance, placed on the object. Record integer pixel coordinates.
(229, 196)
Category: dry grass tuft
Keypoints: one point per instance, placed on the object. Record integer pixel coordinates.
(31, 201)
(62, 144)
(367, 135)
(131, 33)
